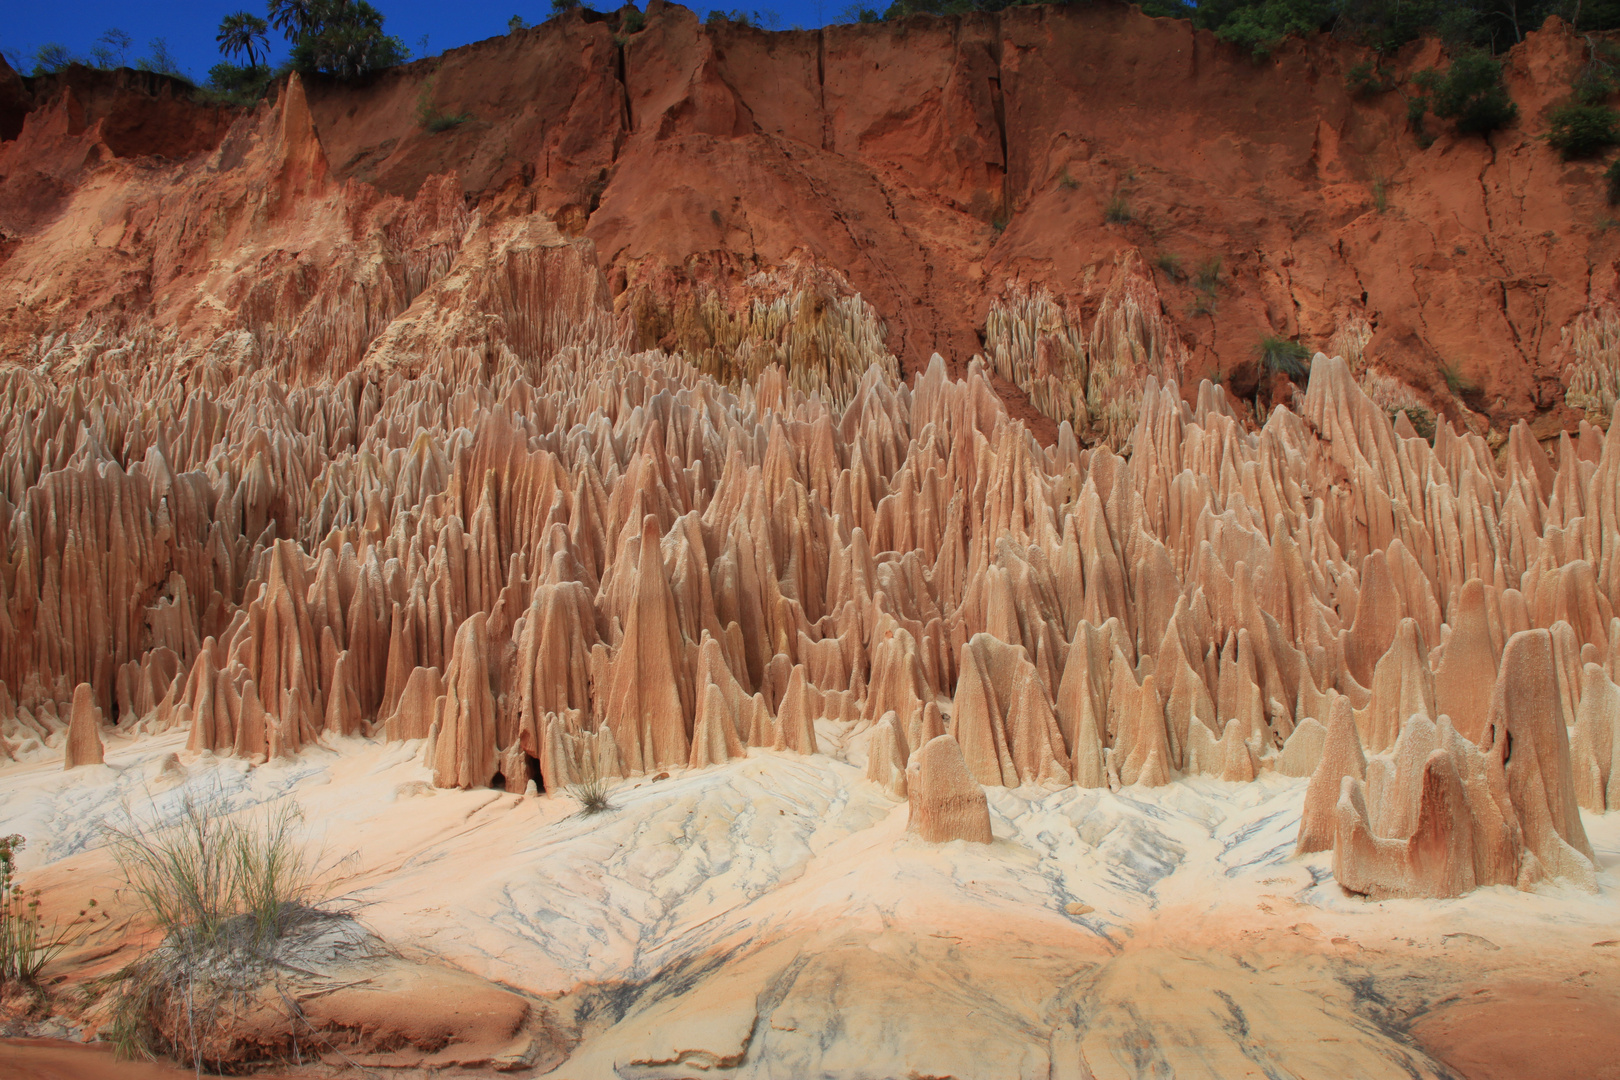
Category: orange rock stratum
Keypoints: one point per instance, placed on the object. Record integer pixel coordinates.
(770, 428)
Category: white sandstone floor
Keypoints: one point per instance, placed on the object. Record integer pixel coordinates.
(772, 918)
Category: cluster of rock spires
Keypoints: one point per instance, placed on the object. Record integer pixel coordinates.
(495, 529)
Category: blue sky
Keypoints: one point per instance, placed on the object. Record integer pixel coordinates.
(188, 26)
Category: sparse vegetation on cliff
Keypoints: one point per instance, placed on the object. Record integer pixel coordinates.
(1578, 130)
(430, 117)
(1366, 79)
(1281, 356)
(1585, 125)
(1469, 93)
(109, 51)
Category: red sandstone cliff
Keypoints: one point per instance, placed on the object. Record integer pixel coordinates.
(928, 165)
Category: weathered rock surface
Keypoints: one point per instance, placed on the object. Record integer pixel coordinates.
(828, 199)
(946, 802)
(425, 487)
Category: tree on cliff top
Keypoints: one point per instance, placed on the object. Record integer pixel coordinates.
(241, 34)
(344, 38)
(295, 18)
(1384, 25)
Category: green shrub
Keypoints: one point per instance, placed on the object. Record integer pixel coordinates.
(1421, 419)
(1260, 27)
(1279, 355)
(1592, 86)
(1612, 175)
(633, 21)
(1416, 107)
(1579, 131)
(1470, 93)
(1599, 77)
(1366, 79)
(237, 85)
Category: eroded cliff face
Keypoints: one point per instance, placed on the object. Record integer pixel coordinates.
(741, 186)
(334, 462)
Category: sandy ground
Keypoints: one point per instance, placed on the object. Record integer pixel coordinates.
(773, 919)
(53, 1059)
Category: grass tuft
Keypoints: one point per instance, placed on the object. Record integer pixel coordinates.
(1279, 355)
(228, 894)
(1118, 211)
(591, 790)
(430, 117)
(1459, 384)
(25, 945)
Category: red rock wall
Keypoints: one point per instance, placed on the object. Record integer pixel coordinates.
(925, 164)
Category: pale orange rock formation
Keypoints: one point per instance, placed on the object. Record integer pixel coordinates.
(488, 524)
(84, 730)
(946, 803)
(1342, 757)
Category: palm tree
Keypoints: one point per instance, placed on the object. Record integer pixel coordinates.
(295, 18)
(243, 33)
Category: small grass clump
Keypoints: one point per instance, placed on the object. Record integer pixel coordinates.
(1279, 355)
(1380, 195)
(26, 946)
(1459, 384)
(1171, 266)
(1118, 211)
(591, 790)
(230, 896)
(1206, 281)
(432, 119)
(592, 794)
